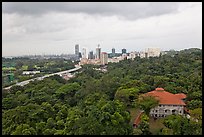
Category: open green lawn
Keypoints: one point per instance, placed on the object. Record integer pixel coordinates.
(155, 125)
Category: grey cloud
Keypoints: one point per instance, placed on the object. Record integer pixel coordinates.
(130, 10)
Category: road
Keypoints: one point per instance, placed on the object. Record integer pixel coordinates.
(41, 78)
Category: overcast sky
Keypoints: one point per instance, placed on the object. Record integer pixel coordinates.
(55, 28)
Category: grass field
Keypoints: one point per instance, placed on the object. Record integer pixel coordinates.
(155, 125)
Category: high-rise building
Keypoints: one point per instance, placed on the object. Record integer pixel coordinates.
(113, 50)
(124, 51)
(91, 55)
(104, 58)
(84, 53)
(146, 55)
(77, 49)
(80, 56)
(98, 52)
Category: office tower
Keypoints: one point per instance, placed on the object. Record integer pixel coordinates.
(80, 56)
(104, 58)
(123, 51)
(91, 55)
(77, 49)
(98, 52)
(113, 50)
(84, 53)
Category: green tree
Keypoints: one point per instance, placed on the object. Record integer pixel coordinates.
(127, 96)
(144, 125)
(146, 103)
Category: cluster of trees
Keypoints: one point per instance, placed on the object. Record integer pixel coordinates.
(97, 103)
(50, 107)
(178, 125)
(20, 64)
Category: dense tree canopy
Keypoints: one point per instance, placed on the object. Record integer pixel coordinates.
(97, 103)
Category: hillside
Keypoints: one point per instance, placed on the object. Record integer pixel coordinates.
(98, 103)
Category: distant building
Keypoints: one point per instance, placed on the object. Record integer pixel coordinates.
(113, 51)
(104, 58)
(77, 49)
(91, 55)
(168, 103)
(30, 72)
(98, 52)
(146, 55)
(132, 55)
(124, 51)
(142, 54)
(84, 53)
(124, 56)
(153, 52)
(83, 61)
(113, 60)
(80, 56)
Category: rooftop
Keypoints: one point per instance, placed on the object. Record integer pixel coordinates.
(167, 98)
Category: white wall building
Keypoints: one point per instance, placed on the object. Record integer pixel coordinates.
(30, 72)
(84, 53)
(98, 52)
(153, 52)
(168, 103)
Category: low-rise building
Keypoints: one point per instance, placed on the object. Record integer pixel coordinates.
(168, 103)
(30, 72)
(153, 52)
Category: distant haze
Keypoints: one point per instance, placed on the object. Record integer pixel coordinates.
(55, 27)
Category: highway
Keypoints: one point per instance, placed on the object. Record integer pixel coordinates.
(48, 75)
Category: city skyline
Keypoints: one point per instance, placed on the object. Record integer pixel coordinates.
(54, 28)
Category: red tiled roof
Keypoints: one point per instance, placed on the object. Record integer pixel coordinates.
(138, 119)
(167, 98)
(181, 95)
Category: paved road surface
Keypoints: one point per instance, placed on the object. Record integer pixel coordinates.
(41, 78)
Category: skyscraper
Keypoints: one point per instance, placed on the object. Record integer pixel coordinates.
(84, 53)
(77, 49)
(104, 58)
(124, 51)
(98, 52)
(91, 56)
(113, 50)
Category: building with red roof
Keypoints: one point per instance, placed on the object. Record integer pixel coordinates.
(168, 103)
(137, 120)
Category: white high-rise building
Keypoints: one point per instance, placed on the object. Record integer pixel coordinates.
(77, 49)
(98, 52)
(84, 53)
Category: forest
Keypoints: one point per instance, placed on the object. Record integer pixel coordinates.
(12, 68)
(99, 103)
